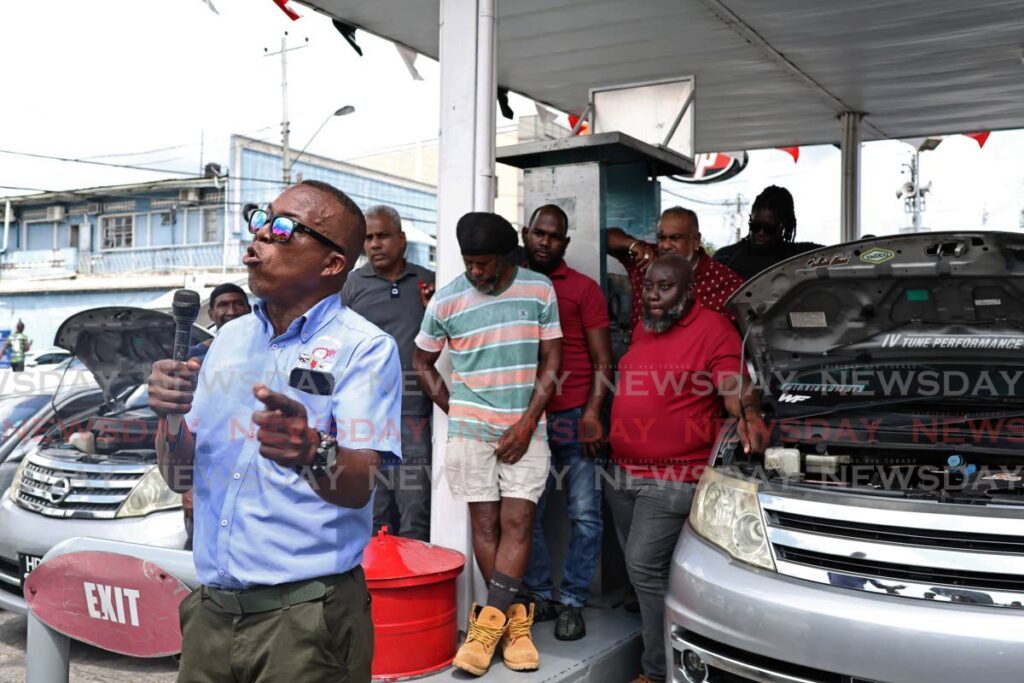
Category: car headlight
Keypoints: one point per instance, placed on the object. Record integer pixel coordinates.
(12, 493)
(150, 495)
(726, 512)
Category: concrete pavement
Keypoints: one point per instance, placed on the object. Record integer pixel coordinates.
(88, 664)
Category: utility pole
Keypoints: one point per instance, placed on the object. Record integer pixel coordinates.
(918, 199)
(737, 217)
(913, 194)
(286, 163)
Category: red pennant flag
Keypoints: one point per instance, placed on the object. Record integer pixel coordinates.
(283, 4)
(584, 129)
(980, 138)
(791, 151)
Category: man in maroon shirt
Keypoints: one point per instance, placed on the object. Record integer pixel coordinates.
(575, 431)
(682, 371)
(679, 233)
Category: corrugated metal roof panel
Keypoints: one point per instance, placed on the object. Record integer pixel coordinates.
(915, 67)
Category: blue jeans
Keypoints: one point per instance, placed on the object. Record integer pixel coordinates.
(578, 476)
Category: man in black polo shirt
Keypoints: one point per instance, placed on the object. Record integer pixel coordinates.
(392, 294)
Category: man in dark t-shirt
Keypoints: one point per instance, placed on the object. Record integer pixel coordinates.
(772, 235)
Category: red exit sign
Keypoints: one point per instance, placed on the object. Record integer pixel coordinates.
(115, 602)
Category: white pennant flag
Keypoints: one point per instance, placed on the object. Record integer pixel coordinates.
(409, 58)
(545, 114)
(209, 3)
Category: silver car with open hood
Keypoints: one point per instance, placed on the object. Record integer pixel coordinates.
(93, 472)
(881, 536)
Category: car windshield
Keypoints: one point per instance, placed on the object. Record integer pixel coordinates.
(139, 398)
(15, 410)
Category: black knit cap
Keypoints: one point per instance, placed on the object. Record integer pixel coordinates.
(480, 233)
(226, 288)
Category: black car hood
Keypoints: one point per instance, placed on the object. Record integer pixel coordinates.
(119, 344)
(893, 304)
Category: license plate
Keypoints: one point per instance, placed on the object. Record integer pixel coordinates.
(27, 563)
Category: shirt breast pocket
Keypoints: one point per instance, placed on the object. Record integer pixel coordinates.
(319, 409)
(314, 390)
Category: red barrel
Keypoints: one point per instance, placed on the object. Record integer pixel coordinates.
(414, 606)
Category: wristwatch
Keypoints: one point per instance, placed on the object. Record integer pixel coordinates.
(323, 461)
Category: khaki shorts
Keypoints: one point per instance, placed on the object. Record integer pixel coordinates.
(475, 474)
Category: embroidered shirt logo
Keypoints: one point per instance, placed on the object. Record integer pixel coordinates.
(321, 357)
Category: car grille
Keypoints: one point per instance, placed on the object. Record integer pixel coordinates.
(10, 577)
(726, 664)
(913, 549)
(64, 488)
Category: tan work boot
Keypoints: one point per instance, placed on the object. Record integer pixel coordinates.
(517, 645)
(486, 627)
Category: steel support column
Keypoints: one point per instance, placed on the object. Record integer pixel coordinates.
(467, 52)
(850, 218)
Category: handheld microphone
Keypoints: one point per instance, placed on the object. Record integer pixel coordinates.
(185, 309)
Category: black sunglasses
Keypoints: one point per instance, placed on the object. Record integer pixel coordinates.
(282, 227)
(767, 228)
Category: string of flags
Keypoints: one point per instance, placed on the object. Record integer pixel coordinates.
(923, 144)
(716, 162)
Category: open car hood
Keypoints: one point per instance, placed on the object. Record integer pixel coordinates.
(926, 300)
(119, 344)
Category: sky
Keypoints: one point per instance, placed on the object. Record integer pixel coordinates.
(143, 82)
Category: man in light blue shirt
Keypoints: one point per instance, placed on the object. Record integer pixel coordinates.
(292, 412)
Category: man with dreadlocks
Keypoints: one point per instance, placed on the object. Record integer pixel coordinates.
(771, 239)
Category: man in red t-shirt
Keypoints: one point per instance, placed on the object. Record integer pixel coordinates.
(681, 373)
(679, 233)
(575, 431)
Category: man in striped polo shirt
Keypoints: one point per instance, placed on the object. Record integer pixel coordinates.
(501, 325)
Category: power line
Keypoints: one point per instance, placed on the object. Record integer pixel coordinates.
(25, 189)
(191, 174)
(218, 138)
(107, 164)
(724, 203)
(137, 154)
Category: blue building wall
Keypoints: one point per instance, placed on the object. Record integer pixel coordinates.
(168, 236)
(154, 223)
(261, 172)
(44, 313)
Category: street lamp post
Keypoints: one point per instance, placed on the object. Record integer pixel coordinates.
(290, 164)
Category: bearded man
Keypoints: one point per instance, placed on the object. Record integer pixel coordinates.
(680, 377)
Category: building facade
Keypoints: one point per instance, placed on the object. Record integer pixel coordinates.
(68, 251)
(418, 161)
(260, 180)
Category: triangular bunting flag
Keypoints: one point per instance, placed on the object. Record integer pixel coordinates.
(791, 151)
(503, 105)
(283, 4)
(584, 129)
(348, 31)
(545, 114)
(409, 59)
(980, 138)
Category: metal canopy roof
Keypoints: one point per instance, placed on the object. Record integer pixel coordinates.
(768, 74)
